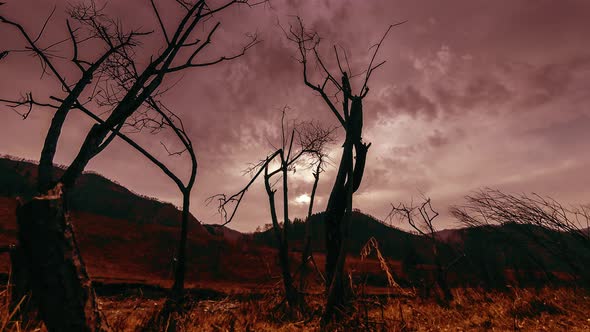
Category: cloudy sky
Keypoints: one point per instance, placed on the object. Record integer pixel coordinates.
(474, 94)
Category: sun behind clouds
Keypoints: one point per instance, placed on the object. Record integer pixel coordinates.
(302, 199)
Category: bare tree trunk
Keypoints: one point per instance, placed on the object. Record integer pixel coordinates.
(166, 320)
(20, 286)
(334, 215)
(306, 252)
(339, 211)
(58, 279)
(441, 274)
(291, 293)
(338, 289)
(179, 274)
(45, 177)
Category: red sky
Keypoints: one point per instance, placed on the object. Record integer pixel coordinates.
(473, 94)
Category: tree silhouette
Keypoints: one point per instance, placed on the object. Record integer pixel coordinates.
(112, 82)
(560, 231)
(421, 218)
(303, 144)
(352, 162)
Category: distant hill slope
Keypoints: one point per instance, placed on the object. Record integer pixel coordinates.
(129, 236)
(123, 235)
(227, 233)
(393, 243)
(94, 194)
(478, 254)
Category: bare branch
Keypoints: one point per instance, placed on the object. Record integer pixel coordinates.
(312, 140)
(45, 24)
(371, 68)
(160, 21)
(170, 153)
(189, 64)
(27, 101)
(224, 201)
(308, 41)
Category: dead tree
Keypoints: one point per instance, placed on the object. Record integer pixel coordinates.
(560, 231)
(155, 117)
(306, 142)
(65, 300)
(165, 118)
(421, 219)
(350, 171)
(161, 118)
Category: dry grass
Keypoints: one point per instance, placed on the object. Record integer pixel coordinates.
(472, 310)
(476, 310)
(9, 320)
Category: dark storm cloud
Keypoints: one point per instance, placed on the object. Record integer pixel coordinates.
(553, 80)
(437, 139)
(412, 101)
(479, 92)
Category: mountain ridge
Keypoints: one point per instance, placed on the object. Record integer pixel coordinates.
(127, 235)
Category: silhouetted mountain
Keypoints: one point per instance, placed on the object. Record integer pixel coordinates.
(393, 243)
(123, 235)
(448, 236)
(92, 193)
(487, 254)
(528, 252)
(226, 233)
(126, 235)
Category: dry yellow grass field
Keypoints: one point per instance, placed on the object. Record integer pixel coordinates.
(472, 310)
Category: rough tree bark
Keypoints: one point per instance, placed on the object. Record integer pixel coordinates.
(56, 274)
(339, 211)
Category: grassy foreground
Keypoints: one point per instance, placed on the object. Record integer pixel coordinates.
(472, 310)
